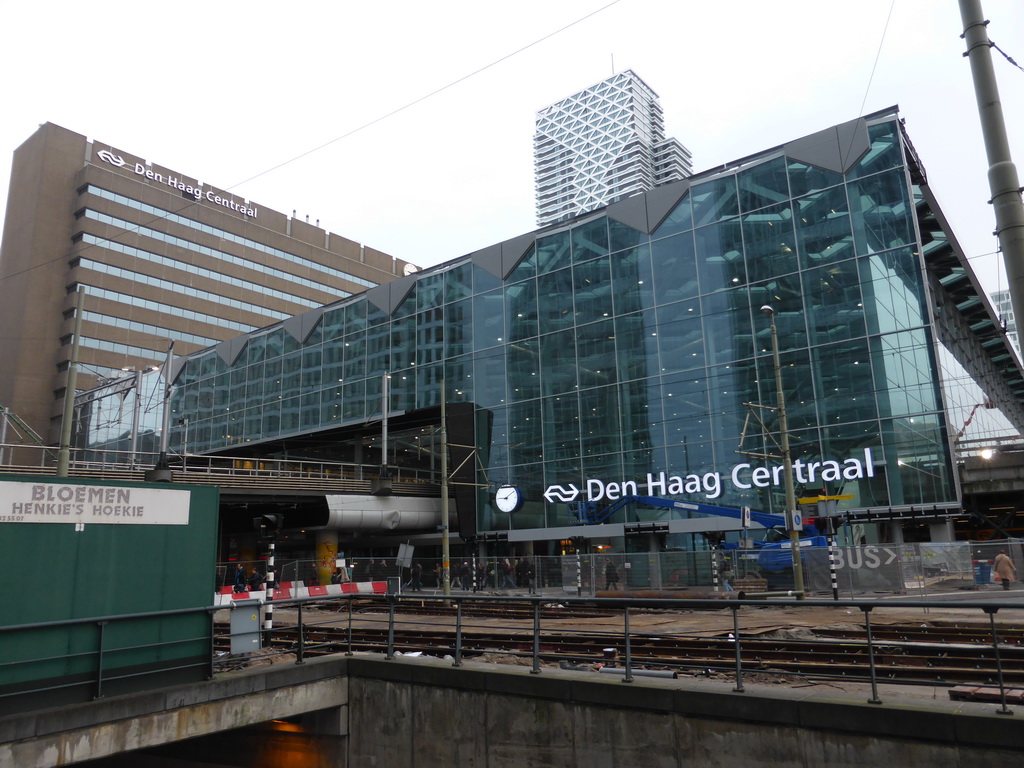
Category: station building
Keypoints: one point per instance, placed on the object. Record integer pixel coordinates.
(627, 351)
(160, 255)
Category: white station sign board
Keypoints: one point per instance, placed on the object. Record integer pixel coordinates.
(92, 504)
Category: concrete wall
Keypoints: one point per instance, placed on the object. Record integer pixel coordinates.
(422, 712)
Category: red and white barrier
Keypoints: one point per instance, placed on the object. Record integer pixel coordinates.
(289, 589)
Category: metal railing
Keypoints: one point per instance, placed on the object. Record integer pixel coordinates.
(95, 664)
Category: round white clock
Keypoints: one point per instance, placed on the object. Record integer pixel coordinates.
(508, 498)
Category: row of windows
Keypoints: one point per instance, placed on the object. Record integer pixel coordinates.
(195, 270)
(151, 355)
(225, 235)
(195, 248)
(156, 330)
(168, 309)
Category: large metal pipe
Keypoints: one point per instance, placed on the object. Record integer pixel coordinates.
(1003, 181)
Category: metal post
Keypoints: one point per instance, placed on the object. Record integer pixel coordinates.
(628, 677)
(871, 657)
(458, 634)
(999, 664)
(64, 452)
(391, 628)
(536, 638)
(3, 435)
(349, 651)
(714, 570)
(99, 660)
(446, 566)
(301, 656)
(136, 413)
(787, 459)
(1002, 173)
(736, 638)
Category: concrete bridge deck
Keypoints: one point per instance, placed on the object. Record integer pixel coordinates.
(417, 711)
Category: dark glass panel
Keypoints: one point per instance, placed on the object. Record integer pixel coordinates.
(375, 316)
(798, 384)
(680, 336)
(458, 282)
(845, 386)
(554, 300)
(378, 348)
(459, 375)
(884, 152)
(835, 310)
(679, 220)
(458, 328)
(521, 309)
(354, 406)
(403, 337)
(488, 319)
(354, 349)
(785, 296)
(599, 421)
(590, 240)
(714, 200)
(763, 185)
(592, 290)
(484, 281)
(429, 292)
(489, 375)
(804, 179)
(719, 256)
(355, 317)
(727, 330)
(402, 390)
(553, 252)
(637, 422)
(256, 349)
(561, 428)
(905, 369)
(558, 362)
(769, 242)
(595, 349)
(673, 261)
(524, 370)
(882, 212)
(636, 344)
(526, 268)
(430, 336)
(823, 228)
(632, 280)
(623, 236)
(893, 290)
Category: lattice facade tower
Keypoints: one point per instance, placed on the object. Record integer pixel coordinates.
(601, 145)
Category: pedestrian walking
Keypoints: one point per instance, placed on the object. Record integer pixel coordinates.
(1005, 568)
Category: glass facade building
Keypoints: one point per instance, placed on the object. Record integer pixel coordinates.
(627, 352)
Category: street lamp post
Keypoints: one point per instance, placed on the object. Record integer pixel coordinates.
(787, 460)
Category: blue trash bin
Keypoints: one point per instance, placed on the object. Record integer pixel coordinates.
(982, 574)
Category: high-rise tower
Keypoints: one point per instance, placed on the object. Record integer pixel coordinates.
(600, 145)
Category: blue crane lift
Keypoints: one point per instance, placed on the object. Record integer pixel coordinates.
(773, 554)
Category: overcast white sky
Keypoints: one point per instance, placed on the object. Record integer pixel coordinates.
(227, 91)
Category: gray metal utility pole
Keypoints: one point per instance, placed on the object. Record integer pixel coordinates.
(1002, 173)
(787, 461)
(64, 451)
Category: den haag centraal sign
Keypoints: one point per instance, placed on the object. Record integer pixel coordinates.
(91, 504)
(198, 191)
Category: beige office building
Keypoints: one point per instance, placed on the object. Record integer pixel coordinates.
(161, 257)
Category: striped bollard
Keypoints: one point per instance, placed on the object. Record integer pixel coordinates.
(268, 616)
(714, 569)
(832, 566)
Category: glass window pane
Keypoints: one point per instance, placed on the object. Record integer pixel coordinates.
(674, 263)
(719, 256)
(679, 220)
(823, 227)
(770, 242)
(763, 185)
(714, 200)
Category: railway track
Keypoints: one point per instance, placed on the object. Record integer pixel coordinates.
(935, 654)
